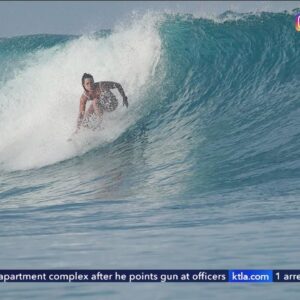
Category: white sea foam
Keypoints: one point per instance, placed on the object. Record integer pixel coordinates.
(39, 106)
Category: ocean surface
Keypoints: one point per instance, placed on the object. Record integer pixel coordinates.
(202, 171)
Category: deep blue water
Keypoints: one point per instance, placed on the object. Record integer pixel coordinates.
(202, 171)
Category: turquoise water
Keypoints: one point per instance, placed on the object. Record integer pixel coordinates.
(202, 171)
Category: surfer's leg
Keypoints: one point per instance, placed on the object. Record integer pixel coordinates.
(98, 114)
(87, 115)
(91, 110)
(98, 109)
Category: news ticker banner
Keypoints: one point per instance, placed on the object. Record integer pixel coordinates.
(135, 276)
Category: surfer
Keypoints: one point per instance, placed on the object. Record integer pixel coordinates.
(101, 97)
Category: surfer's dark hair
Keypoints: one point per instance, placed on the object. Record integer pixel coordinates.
(86, 76)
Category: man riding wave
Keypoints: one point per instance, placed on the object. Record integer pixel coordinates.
(101, 97)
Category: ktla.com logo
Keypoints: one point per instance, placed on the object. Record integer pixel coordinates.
(297, 22)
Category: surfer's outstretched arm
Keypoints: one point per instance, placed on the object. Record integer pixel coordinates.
(113, 85)
(81, 111)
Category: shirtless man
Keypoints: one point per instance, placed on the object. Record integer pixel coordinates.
(100, 95)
